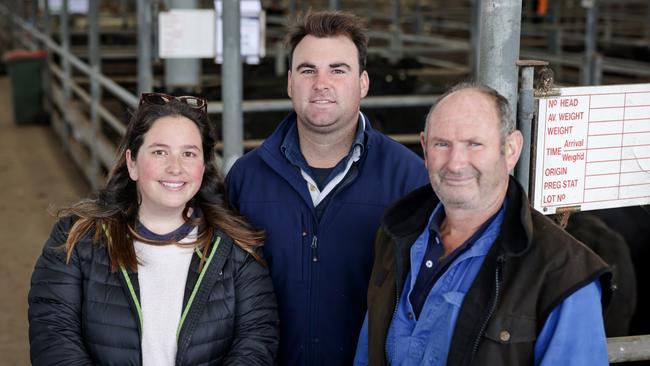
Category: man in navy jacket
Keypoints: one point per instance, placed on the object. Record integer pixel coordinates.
(319, 186)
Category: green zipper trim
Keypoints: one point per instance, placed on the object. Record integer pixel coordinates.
(197, 285)
(128, 283)
(133, 295)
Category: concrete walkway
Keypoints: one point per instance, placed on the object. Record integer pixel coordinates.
(37, 177)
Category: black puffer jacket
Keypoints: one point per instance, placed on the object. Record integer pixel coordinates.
(81, 313)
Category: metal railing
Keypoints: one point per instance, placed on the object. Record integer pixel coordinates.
(97, 150)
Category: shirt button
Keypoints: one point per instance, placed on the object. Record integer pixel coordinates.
(429, 264)
(312, 188)
(504, 335)
(410, 315)
(304, 233)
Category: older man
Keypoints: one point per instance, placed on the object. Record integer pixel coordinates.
(465, 272)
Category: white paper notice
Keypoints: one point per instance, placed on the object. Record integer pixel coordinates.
(593, 148)
(186, 33)
(252, 31)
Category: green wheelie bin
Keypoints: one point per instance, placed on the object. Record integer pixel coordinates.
(25, 70)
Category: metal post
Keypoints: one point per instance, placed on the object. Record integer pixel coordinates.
(34, 16)
(292, 9)
(417, 10)
(334, 4)
(588, 70)
(95, 90)
(475, 39)
(145, 78)
(525, 112)
(396, 28)
(65, 44)
(370, 11)
(500, 33)
(20, 10)
(647, 21)
(557, 36)
(184, 73)
(47, 80)
(8, 24)
(597, 75)
(124, 11)
(280, 59)
(231, 85)
(607, 37)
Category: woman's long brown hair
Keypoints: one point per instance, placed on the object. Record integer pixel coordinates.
(111, 217)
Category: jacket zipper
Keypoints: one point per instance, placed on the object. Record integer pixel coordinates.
(314, 249)
(493, 306)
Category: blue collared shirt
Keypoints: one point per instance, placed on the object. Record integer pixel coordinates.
(572, 335)
(291, 149)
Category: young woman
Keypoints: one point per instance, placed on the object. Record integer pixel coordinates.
(156, 270)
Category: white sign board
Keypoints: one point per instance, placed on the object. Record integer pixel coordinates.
(186, 33)
(252, 31)
(593, 148)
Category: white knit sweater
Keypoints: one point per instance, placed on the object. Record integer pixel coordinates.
(162, 273)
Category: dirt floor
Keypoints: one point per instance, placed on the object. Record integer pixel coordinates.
(38, 177)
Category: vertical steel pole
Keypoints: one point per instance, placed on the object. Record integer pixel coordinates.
(609, 23)
(231, 85)
(370, 11)
(35, 23)
(525, 112)
(124, 12)
(184, 72)
(396, 28)
(20, 10)
(9, 26)
(95, 91)
(280, 59)
(334, 4)
(557, 36)
(47, 76)
(647, 22)
(65, 44)
(292, 9)
(589, 68)
(475, 39)
(500, 33)
(145, 78)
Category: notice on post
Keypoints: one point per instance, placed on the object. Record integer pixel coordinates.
(593, 148)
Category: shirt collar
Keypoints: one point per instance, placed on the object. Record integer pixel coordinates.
(290, 146)
(438, 215)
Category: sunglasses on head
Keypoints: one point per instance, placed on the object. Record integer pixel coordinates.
(161, 99)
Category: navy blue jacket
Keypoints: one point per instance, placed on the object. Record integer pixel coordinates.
(320, 270)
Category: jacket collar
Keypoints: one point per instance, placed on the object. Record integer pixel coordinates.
(273, 144)
(409, 216)
(270, 152)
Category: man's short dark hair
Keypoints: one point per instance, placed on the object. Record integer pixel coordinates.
(322, 24)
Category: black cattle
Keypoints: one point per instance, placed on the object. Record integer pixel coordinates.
(612, 247)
